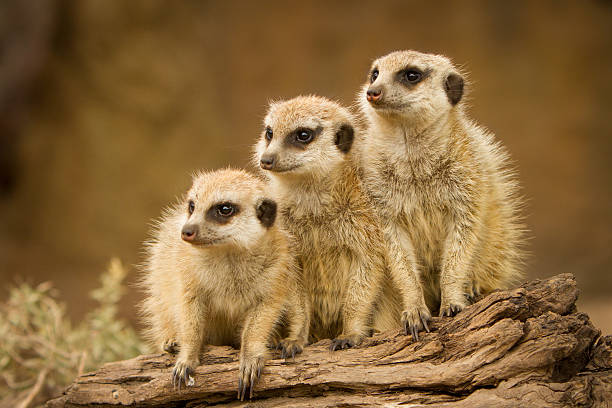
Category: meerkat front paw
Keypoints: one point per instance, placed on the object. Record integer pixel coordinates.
(289, 347)
(250, 371)
(414, 319)
(184, 371)
(170, 346)
(450, 307)
(345, 341)
(473, 294)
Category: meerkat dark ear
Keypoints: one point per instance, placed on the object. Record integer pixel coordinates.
(453, 85)
(344, 138)
(266, 212)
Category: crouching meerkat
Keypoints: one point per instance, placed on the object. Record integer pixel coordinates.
(442, 184)
(305, 148)
(219, 271)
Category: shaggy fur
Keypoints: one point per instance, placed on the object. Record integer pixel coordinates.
(231, 286)
(339, 241)
(442, 184)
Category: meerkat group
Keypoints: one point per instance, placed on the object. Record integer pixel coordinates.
(361, 221)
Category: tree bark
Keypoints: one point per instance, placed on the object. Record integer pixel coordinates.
(522, 347)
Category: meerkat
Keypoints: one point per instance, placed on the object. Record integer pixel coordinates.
(442, 184)
(305, 151)
(219, 271)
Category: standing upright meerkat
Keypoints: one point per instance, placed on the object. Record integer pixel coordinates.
(305, 150)
(442, 184)
(219, 271)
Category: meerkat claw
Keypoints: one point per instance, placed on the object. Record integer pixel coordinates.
(450, 310)
(241, 389)
(414, 321)
(424, 321)
(415, 332)
(341, 344)
(182, 373)
(250, 372)
(289, 348)
(188, 377)
(255, 374)
(176, 381)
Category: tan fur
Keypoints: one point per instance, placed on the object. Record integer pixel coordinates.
(232, 287)
(339, 241)
(443, 186)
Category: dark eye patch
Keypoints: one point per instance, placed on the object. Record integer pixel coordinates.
(221, 213)
(191, 207)
(302, 137)
(410, 76)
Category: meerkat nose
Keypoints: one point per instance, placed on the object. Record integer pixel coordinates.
(267, 162)
(189, 232)
(373, 95)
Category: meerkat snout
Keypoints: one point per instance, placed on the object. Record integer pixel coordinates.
(267, 161)
(373, 94)
(189, 232)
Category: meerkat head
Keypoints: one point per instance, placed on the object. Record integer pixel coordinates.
(227, 208)
(303, 136)
(412, 86)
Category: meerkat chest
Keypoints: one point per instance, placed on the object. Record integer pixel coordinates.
(326, 279)
(233, 289)
(231, 300)
(326, 264)
(323, 245)
(396, 190)
(426, 228)
(421, 207)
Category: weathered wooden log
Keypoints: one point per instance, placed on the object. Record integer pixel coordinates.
(522, 347)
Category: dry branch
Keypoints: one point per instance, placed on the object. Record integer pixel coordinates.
(523, 347)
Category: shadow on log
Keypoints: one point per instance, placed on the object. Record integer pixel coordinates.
(523, 347)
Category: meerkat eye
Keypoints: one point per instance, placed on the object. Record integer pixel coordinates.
(413, 76)
(304, 135)
(373, 76)
(225, 210)
(269, 133)
(191, 207)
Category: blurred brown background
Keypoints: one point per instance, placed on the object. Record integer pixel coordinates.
(106, 107)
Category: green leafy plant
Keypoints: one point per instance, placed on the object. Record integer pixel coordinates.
(41, 351)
